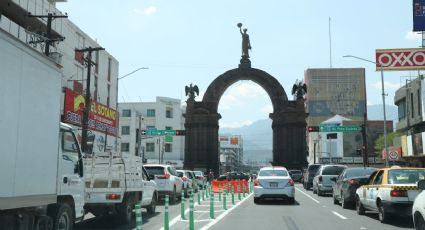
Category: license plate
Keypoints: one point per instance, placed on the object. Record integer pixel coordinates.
(273, 184)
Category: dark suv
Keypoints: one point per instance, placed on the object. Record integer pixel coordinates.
(309, 175)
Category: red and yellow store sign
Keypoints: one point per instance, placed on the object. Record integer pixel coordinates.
(101, 117)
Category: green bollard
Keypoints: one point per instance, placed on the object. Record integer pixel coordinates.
(212, 206)
(239, 192)
(224, 202)
(191, 217)
(243, 188)
(138, 217)
(182, 206)
(203, 194)
(233, 197)
(219, 196)
(166, 223)
(199, 198)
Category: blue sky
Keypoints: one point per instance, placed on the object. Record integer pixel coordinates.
(194, 41)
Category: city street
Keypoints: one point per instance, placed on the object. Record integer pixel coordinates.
(309, 212)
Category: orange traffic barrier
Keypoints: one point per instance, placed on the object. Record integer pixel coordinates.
(219, 186)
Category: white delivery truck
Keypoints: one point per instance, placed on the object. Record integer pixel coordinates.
(41, 168)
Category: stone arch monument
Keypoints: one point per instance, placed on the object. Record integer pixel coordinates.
(201, 120)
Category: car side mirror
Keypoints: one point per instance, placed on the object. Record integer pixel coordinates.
(421, 184)
(151, 177)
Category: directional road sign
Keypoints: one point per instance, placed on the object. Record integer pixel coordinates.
(346, 128)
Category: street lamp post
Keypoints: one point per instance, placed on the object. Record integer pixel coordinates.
(116, 105)
(383, 101)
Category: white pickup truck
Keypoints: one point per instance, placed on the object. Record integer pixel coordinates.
(115, 183)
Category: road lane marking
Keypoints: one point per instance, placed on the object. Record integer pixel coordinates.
(339, 215)
(299, 190)
(221, 216)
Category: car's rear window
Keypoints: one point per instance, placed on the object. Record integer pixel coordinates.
(332, 170)
(198, 173)
(179, 174)
(361, 172)
(313, 168)
(295, 171)
(405, 176)
(273, 172)
(153, 170)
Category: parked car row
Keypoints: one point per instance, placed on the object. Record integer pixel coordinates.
(393, 191)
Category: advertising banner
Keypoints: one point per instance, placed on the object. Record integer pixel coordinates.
(101, 117)
(400, 59)
(230, 141)
(418, 15)
(395, 153)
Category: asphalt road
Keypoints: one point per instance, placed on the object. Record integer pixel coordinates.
(309, 212)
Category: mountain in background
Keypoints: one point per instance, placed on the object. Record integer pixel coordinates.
(258, 137)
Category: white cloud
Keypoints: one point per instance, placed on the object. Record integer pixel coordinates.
(388, 85)
(236, 124)
(413, 36)
(146, 11)
(267, 109)
(240, 94)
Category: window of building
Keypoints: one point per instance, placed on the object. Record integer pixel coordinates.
(150, 127)
(109, 69)
(411, 105)
(150, 147)
(126, 113)
(169, 113)
(125, 130)
(401, 109)
(168, 148)
(125, 147)
(150, 113)
(168, 128)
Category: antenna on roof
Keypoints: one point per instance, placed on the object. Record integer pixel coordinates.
(330, 44)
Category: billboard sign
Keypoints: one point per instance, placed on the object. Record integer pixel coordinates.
(418, 15)
(400, 59)
(101, 117)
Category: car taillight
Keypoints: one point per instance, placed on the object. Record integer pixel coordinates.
(320, 179)
(165, 176)
(256, 182)
(184, 179)
(291, 182)
(113, 196)
(353, 182)
(398, 193)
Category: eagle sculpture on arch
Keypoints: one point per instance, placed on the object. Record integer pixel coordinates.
(299, 89)
(191, 90)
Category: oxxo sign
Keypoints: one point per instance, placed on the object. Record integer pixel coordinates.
(400, 59)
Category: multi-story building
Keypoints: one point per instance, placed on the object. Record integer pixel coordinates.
(32, 30)
(411, 123)
(231, 153)
(163, 114)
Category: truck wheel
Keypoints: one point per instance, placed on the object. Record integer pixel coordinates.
(125, 210)
(62, 215)
(359, 207)
(151, 208)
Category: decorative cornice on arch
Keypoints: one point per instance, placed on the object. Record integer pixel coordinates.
(270, 84)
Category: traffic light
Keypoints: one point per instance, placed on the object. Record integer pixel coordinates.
(313, 129)
(180, 132)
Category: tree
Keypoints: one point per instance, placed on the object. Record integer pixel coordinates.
(379, 143)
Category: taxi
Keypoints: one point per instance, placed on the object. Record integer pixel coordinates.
(390, 192)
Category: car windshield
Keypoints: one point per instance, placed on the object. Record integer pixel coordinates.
(313, 168)
(273, 172)
(152, 170)
(405, 176)
(359, 172)
(179, 174)
(332, 170)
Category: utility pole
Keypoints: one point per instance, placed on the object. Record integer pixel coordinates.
(87, 105)
(364, 147)
(50, 17)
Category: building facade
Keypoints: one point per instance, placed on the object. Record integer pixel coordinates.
(163, 114)
(411, 123)
(231, 153)
(331, 92)
(32, 30)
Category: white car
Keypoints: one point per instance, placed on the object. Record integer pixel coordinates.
(274, 182)
(167, 180)
(418, 210)
(149, 193)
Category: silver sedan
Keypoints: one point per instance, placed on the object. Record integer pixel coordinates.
(274, 182)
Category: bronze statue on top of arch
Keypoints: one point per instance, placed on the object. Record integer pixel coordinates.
(299, 89)
(246, 46)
